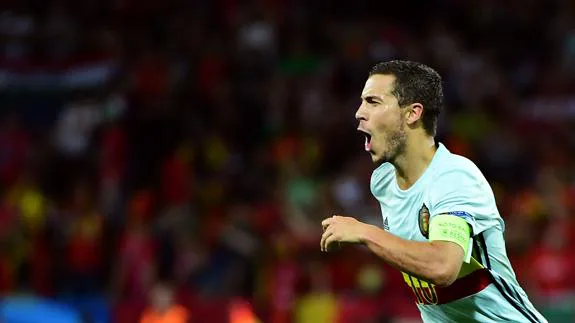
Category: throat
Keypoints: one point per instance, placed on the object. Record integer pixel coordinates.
(404, 183)
(409, 168)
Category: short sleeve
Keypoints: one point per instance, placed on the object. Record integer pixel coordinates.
(466, 194)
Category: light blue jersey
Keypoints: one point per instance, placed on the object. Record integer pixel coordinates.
(486, 289)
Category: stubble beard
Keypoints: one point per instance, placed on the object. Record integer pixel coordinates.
(396, 145)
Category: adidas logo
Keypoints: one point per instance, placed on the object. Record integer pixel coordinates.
(385, 224)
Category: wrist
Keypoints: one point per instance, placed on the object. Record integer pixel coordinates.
(366, 233)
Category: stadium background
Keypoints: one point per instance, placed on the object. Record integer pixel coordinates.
(200, 143)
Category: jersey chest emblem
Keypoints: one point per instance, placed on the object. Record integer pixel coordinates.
(424, 221)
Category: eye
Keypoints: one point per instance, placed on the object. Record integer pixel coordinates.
(371, 101)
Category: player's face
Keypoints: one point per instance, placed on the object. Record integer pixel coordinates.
(381, 119)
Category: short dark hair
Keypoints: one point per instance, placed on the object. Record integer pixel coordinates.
(415, 83)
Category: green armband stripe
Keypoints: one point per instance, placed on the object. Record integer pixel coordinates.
(445, 227)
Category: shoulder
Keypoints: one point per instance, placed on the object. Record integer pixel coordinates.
(180, 311)
(459, 188)
(457, 179)
(457, 170)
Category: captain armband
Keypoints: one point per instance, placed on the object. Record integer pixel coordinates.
(446, 227)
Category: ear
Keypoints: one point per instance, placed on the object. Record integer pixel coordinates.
(414, 113)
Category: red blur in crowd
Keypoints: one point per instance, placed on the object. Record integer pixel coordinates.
(551, 264)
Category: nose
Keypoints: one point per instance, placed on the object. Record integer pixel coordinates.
(360, 114)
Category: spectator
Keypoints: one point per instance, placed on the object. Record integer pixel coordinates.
(162, 308)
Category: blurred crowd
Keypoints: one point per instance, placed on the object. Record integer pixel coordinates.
(193, 147)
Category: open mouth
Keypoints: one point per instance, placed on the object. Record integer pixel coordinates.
(367, 139)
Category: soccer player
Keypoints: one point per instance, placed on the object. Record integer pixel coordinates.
(441, 226)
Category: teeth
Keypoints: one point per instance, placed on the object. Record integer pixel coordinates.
(367, 143)
(368, 139)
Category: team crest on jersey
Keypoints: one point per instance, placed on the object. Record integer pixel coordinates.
(424, 221)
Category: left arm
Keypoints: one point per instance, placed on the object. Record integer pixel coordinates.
(437, 262)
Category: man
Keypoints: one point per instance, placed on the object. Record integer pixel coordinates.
(162, 308)
(441, 226)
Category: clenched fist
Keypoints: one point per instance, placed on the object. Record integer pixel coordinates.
(341, 229)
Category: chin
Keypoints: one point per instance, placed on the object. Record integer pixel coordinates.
(377, 160)
(381, 156)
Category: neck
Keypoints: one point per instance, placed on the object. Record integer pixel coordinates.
(412, 163)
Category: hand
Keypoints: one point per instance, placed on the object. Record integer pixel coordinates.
(340, 229)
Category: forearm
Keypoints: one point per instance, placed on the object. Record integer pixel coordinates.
(421, 259)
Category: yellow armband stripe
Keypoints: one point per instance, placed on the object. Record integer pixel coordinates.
(445, 227)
